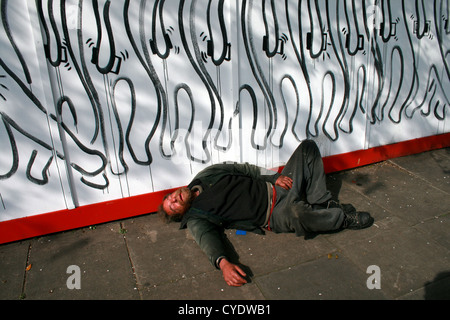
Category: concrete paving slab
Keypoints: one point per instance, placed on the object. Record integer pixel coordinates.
(162, 253)
(170, 265)
(400, 192)
(438, 289)
(432, 166)
(437, 229)
(100, 254)
(408, 259)
(265, 253)
(379, 228)
(327, 278)
(203, 286)
(13, 264)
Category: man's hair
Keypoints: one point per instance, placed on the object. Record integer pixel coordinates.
(166, 217)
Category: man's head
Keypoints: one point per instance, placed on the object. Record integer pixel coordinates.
(175, 204)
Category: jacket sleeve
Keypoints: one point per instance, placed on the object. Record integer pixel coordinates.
(209, 237)
(215, 172)
(257, 172)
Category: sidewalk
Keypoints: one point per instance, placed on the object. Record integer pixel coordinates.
(142, 258)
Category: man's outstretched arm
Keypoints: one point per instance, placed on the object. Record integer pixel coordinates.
(208, 236)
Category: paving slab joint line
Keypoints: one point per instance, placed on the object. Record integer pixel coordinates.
(430, 219)
(391, 162)
(184, 278)
(25, 273)
(423, 287)
(133, 270)
(261, 291)
(283, 268)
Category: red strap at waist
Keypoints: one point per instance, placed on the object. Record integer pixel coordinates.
(274, 198)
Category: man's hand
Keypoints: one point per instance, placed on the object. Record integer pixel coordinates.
(232, 274)
(284, 182)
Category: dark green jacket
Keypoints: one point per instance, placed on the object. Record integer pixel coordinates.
(207, 228)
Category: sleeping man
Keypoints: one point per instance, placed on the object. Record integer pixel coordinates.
(247, 197)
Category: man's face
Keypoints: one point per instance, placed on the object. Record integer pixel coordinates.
(178, 201)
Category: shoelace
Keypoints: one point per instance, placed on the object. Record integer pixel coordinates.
(351, 218)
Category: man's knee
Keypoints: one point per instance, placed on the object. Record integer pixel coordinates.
(308, 143)
(309, 147)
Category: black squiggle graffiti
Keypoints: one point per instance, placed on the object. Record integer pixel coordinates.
(4, 15)
(344, 62)
(55, 62)
(111, 44)
(225, 54)
(252, 53)
(44, 179)
(158, 14)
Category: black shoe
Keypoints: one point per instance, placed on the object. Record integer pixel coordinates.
(348, 208)
(357, 220)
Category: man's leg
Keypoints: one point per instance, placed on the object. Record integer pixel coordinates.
(305, 167)
(304, 208)
(294, 209)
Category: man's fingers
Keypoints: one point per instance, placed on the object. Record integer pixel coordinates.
(242, 273)
(237, 277)
(237, 281)
(233, 274)
(285, 182)
(289, 182)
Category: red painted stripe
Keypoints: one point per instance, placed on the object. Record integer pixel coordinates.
(364, 157)
(46, 223)
(38, 225)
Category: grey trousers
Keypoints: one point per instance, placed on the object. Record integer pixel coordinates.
(294, 211)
